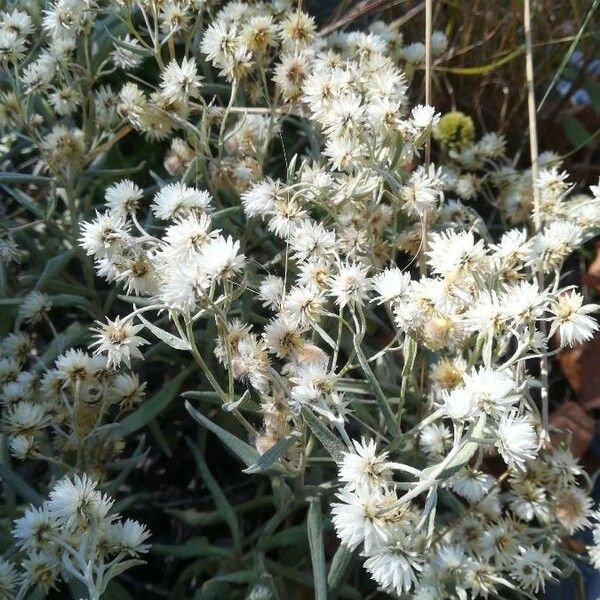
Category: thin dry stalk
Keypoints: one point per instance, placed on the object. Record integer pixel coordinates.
(537, 212)
(428, 31)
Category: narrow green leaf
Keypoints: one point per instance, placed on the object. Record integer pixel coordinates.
(273, 454)
(317, 551)
(165, 336)
(237, 577)
(94, 172)
(287, 538)
(192, 548)
(24, 200)
(337, 570)
(222, 504)
(150, 409)
(483, 69)
(160, 438)
(409, 353)
(53, 267)
(23, 178)
(332, 444)
(133, 48)
(246, 453)
(380, 397)
(66, 300)
(115, 591)
(466, 452)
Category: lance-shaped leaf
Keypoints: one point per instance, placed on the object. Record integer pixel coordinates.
(166, 337)
(223, 506)
(332, 444)
(465, 453)
(317, 551)
(380, 397)
(273, 454)
(246, 453)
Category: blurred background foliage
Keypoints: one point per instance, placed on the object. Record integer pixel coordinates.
(482, 72)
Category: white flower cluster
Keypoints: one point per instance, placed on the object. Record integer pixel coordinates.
(502, 539)
(350, 287)
(75, 536)
(73, 399)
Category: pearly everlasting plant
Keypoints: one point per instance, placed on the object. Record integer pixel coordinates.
(369, 320)
(75, 536)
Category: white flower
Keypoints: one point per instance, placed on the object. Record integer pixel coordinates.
(259, 200)
(572, 507)
(177, 199)
(531, 568)
(364, 468)
(312, 380)
(393, 569)
(551, 247)
(122, 198)
(350, 284)
(282, 336)
(21, 446)
(34, 306)
(345, 116)
(435, 439)
(471, 484)
(452, 253)
(459, 404)
(184, 285)
(17, 21)
(220, 43)
(424, 116)
(344, 154)
(40, 569)
(9, 578)
(304, 304)
(390, 284)
(179, 82)
(517, 441)
(311, 241)
(271, 291)
(571, 319)
(250, 363)
(439, 42)
(523, 302)
(34, 530)
(414, 53)
(124, 55)
(493, 391)
(129, 536)
(259, 33)
(188, 236)
(118, 339)
(104, 236)
(357, 518)
(77, 503)
(423, 191)
(220, 258)
(25, 417)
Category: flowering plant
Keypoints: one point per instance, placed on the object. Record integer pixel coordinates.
(368, 320)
